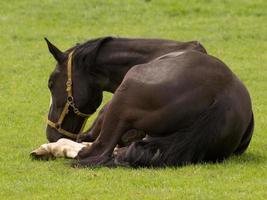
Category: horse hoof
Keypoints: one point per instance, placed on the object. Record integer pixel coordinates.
(36, 156)
(93, 162)
(75, 164)
(41, 154)
(83, 153)
(82, 137)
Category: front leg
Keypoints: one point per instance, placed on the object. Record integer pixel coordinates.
(115, 124)
(93, 132)
(101, 150)
(62, 148)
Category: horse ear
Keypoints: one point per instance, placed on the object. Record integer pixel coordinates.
(58, 55)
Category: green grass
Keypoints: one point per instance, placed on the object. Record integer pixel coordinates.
(234, 31)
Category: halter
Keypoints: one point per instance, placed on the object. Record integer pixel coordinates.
(69, 103)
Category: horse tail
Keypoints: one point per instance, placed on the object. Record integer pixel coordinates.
(246, 138)
(157, 152)
(174, 150)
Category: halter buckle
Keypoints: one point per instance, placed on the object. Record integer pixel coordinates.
(57, 126)
(70, 99)
(76, 111)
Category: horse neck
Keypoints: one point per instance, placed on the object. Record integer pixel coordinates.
(118, 56)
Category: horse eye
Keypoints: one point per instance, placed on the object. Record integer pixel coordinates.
(50, 84)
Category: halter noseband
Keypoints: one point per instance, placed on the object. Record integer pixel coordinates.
(69, 103)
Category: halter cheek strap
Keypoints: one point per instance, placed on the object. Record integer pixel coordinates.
(69, 103)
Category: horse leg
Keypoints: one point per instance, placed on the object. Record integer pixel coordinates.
(62, 148)
(115, 125)
(92, 133)
(131, 136)
(101, 150)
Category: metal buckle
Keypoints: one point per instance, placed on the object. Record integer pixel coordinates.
(57, 126)
(75, 110)
(70, 102)
(70, 99)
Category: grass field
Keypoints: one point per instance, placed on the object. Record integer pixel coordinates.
(234, 31)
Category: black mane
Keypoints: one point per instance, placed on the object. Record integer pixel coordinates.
(85, 54)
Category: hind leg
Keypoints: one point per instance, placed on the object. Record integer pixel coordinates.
(139, 154)
(131, 136)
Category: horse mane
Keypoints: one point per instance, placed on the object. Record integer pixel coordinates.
(85, 54)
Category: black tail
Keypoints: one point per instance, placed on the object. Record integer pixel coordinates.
(246, 138)
(174, 150)
(159, 152)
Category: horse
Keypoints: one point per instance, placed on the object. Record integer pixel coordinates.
(120, 54)
(190, 105)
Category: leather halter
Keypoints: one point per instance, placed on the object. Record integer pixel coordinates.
(69, 103)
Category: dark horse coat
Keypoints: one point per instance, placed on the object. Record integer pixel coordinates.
(190, 105)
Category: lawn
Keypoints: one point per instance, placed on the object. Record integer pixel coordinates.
(234, 31)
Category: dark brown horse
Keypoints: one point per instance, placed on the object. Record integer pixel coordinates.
(190, 105)
(118, 55)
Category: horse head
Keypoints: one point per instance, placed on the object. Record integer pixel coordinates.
(75, 87)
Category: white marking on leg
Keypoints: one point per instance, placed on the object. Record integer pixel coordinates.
(62, 148)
